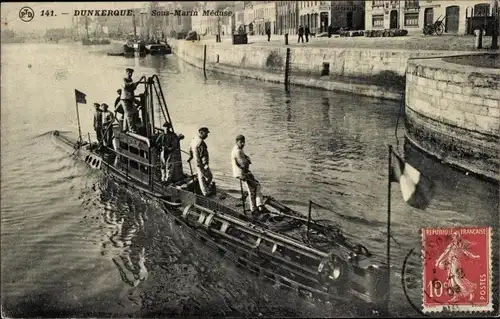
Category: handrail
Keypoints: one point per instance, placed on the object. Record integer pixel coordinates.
(163, 99)
(161, 107)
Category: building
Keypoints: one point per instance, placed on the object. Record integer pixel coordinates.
(264, 16)
(211, 25)
(348, 14)
(318, 15)
(287, 17)
(413, 15)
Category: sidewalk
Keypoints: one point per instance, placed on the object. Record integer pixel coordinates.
(409, 42)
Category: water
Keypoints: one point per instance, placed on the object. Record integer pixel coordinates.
(75, 244)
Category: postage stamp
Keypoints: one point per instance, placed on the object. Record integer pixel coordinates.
(456, 269)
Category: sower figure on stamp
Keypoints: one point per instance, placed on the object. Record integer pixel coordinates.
(451, 260)
(98, 122)
(199, 152)
(241, 164)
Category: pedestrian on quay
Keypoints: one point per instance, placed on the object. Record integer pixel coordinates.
(198, 151)
(98, 122)
(307, 32)
(268, 32)
(301, 34)
(241, 170)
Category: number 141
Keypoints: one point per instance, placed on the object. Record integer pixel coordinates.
(47, 13)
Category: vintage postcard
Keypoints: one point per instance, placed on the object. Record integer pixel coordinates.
(304, 159)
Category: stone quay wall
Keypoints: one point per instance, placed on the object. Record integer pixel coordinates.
(376, 73)
(453, 111)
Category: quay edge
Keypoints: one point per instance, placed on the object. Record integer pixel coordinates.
(373, 73)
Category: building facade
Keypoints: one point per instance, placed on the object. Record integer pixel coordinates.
(287, 17)
(348, 14)
(264, 16)
(413, 15)
(212, 25)
(315, 14)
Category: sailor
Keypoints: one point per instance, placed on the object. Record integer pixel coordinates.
(241, 163)
(128, 101)
(98, 122)
(199, 152)
(171, 161)
(107, 123)
(120, 114)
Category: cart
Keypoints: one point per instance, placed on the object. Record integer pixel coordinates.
(435, 28)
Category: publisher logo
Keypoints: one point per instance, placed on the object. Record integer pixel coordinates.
(26, 14)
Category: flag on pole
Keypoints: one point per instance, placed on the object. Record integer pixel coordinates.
(80, 97)
(417, 190)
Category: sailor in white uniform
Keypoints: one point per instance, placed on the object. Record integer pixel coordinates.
(241, 163)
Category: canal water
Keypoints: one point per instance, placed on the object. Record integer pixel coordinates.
(75, 244)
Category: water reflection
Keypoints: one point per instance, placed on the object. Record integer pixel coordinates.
(125, 218)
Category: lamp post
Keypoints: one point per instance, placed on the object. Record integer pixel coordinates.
(494, 40)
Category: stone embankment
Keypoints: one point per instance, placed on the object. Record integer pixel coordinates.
(453, 110)
(452, 97)
(376, 73)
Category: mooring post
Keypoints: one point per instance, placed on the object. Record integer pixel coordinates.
(205, 60)
(287, 69)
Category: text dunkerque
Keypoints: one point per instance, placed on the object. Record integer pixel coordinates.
(104, 13)
(183, 13)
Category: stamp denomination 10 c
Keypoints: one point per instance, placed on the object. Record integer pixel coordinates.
(456, 269)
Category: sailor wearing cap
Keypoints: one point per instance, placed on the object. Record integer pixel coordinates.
(170, 158)
(241, 163)
(107, 122)
(128, 100)
(199, 152)
(98, 122)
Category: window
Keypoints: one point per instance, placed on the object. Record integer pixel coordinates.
(377, 3)
(411, 4)
(144, 169)
(378, 21)
(411, 19)
(134, 150)
(144, 154)
(481, 10)
(123, 146)
(134, 165)
(124, 160)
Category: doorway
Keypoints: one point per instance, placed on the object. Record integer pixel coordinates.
(349, 20)
(452, 19)
(323, 16)
(428, 16)
(393, 19)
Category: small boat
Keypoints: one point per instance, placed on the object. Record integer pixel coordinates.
(312, 257)
(160, 49)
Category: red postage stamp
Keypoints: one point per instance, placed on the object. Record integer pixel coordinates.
(456, 269)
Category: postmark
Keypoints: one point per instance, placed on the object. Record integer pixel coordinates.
(456, 269)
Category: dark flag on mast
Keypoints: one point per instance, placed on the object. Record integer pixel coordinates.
(80, 97)
(417, 189)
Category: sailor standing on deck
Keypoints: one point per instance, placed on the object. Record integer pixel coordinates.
(107, 122)
(98, 122)
(199, 152)
(128, 101)
(170, 154)
(241, 163)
